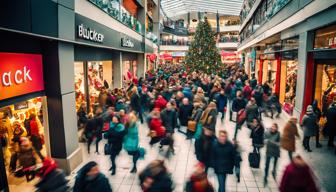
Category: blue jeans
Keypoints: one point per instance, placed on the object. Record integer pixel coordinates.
(268, 161)
(221, 182)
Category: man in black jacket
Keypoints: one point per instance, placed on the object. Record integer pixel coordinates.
(238, 104)
(169, 121)
(203, 147)
(223, 158)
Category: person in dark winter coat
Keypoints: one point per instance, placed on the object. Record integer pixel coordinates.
(198, 181)
(169, 118)
(203, 147)
(115, 137)
(318, 113)
(221, 100)
(223, 157)
(272, 150)
(252, 111)
(331, 122)
(274, 104)
(238, 104)
(298, 177)
(169, 121)
(155, 178)
(89, 179)
(135, 103)
(185, 112)
(82, 116)
(27, 158)
(52, 178)
(310, 127)
(257, 135)
(258, 95)
(93, 129)
(253, 82)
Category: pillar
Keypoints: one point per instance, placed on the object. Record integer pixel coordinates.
(261, 68)
(117, 71)
(278, 74)
(306, 40)
(60, 92)
(141, 60)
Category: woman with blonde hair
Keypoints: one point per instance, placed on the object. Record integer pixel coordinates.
(131, 140)
(209, 117)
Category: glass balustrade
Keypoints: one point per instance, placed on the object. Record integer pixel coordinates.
(114, 9)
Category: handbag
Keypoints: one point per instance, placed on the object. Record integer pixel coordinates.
(254, 159)
(192, 125)
(241, 116)
(107, 149)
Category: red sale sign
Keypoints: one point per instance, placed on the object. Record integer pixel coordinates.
(20, 74)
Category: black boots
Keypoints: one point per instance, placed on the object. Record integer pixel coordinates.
(134, 169)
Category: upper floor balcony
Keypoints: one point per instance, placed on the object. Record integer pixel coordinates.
(114, 9)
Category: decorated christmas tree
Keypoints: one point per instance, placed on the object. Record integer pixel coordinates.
(203, 54)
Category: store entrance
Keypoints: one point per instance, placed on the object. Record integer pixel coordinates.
(91, 78)
(22, 135)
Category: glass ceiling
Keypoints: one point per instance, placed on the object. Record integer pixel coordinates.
(174, 8)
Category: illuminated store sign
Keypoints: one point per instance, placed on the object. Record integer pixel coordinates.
(89, 34)
(20, 74)
(126, 42)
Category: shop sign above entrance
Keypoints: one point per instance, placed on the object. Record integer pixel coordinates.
(20, 74)
(89, 34)
(126, 42)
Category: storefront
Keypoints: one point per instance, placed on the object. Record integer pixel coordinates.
(321, 69)
(100, 68)
(23, 115)
(278, 66)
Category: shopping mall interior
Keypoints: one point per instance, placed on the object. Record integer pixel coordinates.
(167, 95)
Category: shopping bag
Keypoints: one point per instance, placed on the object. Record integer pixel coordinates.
(234, 116)
(106, 127)
(241, 116)
(192, 125)
(254, 159)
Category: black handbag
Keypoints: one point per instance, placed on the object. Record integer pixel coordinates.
(254, 159)
(107, 149)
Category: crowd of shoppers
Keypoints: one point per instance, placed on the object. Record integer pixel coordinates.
(175, 98)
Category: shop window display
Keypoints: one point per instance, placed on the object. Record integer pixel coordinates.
(325, 86)
(22, 138)
(288, 85)
(99, 76)
(129, 72)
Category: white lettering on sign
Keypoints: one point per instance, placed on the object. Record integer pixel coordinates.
(6, 80)
(19, 76)
(89, 34)
(126, 42)
(17, 79)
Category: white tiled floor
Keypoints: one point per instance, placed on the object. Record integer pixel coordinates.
(181, 164)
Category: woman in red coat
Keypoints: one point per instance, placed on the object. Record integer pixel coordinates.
(160, 103)
(298, 177)
(35, 136)
(157, 131)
